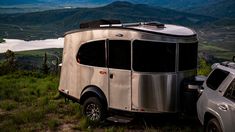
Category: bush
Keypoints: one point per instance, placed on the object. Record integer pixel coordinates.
(2, 40)
(8, 105)
(204, 67)
(53, 124)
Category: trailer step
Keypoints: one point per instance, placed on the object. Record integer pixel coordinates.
(119, 119)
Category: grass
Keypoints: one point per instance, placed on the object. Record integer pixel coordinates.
(30, 102)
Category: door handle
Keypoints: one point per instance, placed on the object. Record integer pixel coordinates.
(111, 76)
(223, 107)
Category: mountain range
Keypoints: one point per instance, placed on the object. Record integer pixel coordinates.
(220, 9)
(62, 20)
(166, 3)
(215, 8)
(213, 20)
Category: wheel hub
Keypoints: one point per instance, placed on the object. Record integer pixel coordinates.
(93, 112)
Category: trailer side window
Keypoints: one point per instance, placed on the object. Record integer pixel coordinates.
(92, 53)
(153, 56)
(120, 54)
(216, 78)
(187, 56)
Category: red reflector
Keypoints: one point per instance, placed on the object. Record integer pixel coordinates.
(102, 72)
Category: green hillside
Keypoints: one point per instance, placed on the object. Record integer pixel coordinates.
(54, 23)
(220, 9)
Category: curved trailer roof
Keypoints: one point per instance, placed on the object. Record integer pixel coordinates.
(151, 27)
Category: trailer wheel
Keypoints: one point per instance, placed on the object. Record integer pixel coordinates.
(93, 109)
(213, 126)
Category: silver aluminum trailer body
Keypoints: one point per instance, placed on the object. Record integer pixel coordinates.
(127, 89)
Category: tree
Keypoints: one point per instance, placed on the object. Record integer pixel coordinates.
(2, 40)
(45, 67)
(9, 64)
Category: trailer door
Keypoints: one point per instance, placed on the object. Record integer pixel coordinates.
(119, 63)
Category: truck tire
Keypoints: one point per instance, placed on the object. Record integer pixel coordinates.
(213, 125)
(93, 109)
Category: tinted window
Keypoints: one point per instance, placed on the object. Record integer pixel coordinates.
(216, 78)
(187, 56)
(92, 53)
(230, 93)
(153, 56)
(120, 54)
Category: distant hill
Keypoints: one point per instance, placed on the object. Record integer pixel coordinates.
(125, 11)
(215, 8)
(18, 2)
(54, 2)
(220, 9)
(176, 4)
(173, 4)
(56, 22)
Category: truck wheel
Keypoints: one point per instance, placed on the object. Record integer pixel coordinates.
(213, 126)
(93, 109)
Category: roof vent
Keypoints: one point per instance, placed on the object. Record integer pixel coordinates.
(97, 23)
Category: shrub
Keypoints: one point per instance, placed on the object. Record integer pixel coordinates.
(8, 105)
(53, 124)
(204, 67)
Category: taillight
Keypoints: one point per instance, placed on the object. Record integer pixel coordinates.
(200, 90)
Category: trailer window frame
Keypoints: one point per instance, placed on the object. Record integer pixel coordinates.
(121, 60)
(163, 67)
(92, 59)
(187, 57)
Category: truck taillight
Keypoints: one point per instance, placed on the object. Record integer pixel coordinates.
(200, 90)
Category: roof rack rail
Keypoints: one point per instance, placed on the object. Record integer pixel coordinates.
(117, 23)
(154, 23)
(228, 64)
(97, 23)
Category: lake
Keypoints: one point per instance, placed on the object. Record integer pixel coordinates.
(21, 45)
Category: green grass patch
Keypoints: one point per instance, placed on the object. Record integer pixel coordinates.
(53, 124)
(8, 105)
(30, 102)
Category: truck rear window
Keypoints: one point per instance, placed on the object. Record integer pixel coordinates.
(216, 78)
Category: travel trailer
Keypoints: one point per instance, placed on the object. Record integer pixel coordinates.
(134, 67)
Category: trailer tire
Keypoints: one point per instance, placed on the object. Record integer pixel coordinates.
(213, 125)
(93, 109)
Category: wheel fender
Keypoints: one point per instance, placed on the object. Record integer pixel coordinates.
(213, 113)
(93, 91)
